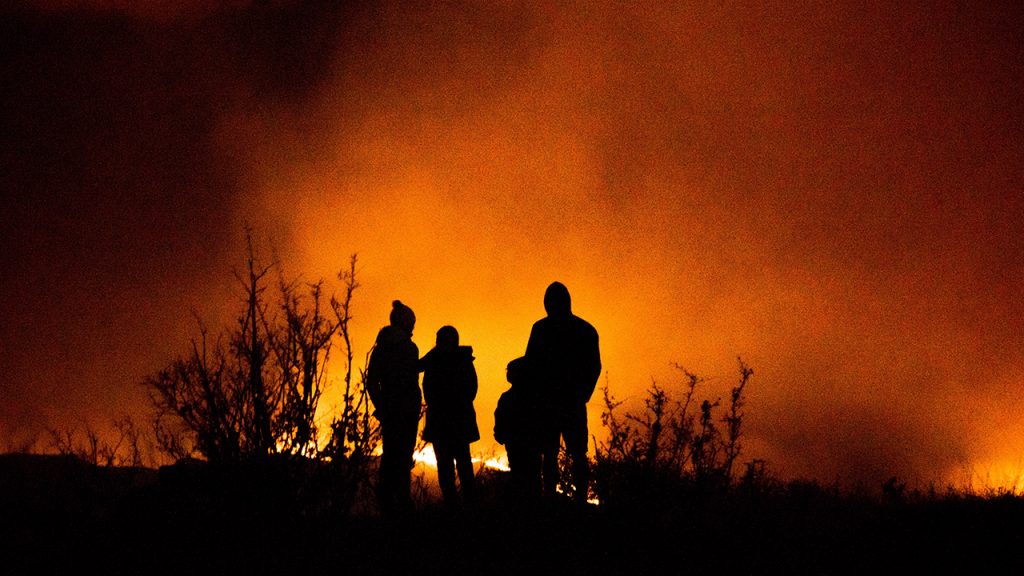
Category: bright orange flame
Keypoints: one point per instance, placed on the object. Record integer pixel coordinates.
(425, 456)
(1000, 476)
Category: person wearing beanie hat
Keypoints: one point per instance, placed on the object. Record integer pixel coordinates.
(402, 317)
(393, 383)
(565, 358)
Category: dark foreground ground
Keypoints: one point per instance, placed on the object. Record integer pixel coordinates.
(63, 517)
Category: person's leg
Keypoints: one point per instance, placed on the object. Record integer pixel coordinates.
(532, 483)
(406, 444)
(464, 462)
(576, 439)
(548, 442)
(516, 469)
(524, 460)
(446, 471)
(581, 476)
(548, 463)
(386, 470)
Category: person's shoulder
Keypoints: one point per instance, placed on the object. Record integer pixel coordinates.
(541, 324)
(430, 357)
(407, 346)
(508, 397)
(584, 325)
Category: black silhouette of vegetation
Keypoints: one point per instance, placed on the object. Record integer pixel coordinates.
(122, 448)
(672, 443)
(258, 394)
(248, 400)
(260, 485)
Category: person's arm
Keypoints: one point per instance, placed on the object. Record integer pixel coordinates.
(374, 385)
(501, 417)
(412, 362)
(472, 380)
(593, 365)
(535, 344)
(425, 365)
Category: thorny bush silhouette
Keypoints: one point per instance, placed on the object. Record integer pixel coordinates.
(255, 399)
(672, 443)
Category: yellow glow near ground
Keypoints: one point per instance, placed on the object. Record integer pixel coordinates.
(426, 457)
(995, 476)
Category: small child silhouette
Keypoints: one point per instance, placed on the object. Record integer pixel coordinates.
(517, 426)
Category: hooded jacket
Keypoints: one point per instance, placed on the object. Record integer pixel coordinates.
(563, 350)
(449, 388)
(523, 414)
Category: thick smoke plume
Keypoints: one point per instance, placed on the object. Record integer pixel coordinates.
(832, 193)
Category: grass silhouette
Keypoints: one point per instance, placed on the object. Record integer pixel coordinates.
(61, 514)
(675, 495)
(275, 516)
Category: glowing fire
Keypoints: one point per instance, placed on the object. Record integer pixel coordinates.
(497, 463)
(426, 456)
(1000, 476)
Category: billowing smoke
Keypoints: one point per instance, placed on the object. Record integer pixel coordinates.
(832, 193)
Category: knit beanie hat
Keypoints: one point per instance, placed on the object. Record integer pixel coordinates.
(402, 316)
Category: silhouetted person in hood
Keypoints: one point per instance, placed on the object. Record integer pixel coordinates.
(449, 388)
(393, 383)
(564, 356)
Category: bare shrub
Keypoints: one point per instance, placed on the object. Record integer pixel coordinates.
(355, 435)
(122, 447)
(672, 441)
(254, 391)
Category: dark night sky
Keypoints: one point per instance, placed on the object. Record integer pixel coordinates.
(834, 192)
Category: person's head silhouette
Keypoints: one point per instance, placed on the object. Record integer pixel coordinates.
(402, 317)
(447, 338)
(557, 301)
(517, 371)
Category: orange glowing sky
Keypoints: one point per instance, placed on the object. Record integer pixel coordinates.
(834, 193)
